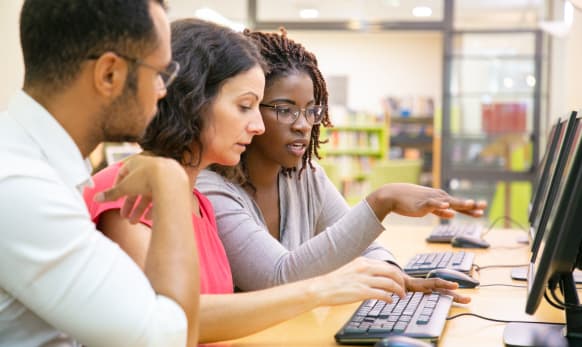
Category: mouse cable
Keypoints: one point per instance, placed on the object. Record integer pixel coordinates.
(497, 320)
(502, 285)
(507, 218)
(514, 286)
(479, 268)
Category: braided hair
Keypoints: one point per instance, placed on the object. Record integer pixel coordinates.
(285, 57)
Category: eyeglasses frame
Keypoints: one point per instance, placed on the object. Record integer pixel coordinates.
(298, 113)
(169, 75)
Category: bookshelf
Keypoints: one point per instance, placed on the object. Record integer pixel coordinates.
(352, 150)
(411, 124)
(412, 138)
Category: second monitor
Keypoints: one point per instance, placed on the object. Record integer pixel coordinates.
(553, 263)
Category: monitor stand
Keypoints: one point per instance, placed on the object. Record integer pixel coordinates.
(522, 335)
(520, 274)
(555, 335)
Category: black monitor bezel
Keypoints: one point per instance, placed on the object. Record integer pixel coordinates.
(560, 254)
(550, 154)
(539, 225)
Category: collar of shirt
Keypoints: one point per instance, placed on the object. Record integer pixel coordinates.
(56, 144)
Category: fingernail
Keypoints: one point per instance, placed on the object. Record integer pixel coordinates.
(99, 197)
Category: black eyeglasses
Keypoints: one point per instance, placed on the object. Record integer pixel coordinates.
(168, 75)
(288, 114)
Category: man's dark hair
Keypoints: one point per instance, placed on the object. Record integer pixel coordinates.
(209, 54)
(57, 36)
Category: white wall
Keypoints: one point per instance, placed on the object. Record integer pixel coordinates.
(376, 64)
(11, 65)
(379, 64)
(566, 71)
(573, 64)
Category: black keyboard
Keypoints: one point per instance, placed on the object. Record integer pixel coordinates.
(419, 315)
(421, 264)
(444, 233)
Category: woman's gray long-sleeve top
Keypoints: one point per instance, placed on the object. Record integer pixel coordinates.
(319, 232)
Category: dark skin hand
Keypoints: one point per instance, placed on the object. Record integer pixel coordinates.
(416, 201)
(428, 285)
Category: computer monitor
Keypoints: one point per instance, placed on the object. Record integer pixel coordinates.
(558, 254)
(550, 154)
(546, 195)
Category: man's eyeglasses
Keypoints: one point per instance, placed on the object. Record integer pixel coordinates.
(168, 75)
(288, 114)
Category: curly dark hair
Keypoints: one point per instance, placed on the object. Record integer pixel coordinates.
(209, 54)
(284, 57)
(57, 36)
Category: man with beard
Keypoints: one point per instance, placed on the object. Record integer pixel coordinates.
(94, 71)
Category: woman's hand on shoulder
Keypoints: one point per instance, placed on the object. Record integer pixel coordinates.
(414, 200)
(140, 179)
(359, 280)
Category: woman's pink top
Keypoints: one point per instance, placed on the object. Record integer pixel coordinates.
(215, 274)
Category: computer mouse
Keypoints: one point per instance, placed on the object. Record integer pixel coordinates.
(464, 280)
(465, 241)
(401, 341)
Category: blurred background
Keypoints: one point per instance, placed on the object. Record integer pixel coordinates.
(456, 94)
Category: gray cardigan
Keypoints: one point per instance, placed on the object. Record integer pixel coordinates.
(318, 231)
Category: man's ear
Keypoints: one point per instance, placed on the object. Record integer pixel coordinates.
(109, 74)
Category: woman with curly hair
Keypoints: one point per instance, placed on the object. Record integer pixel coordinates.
(279, 217)
(209, 115)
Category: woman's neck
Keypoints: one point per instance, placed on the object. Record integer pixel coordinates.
(192, 173)
(262, 173)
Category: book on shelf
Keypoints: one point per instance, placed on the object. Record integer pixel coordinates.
(408, 106)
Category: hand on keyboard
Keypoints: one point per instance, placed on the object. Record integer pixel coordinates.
(414, 284)
(359, 280)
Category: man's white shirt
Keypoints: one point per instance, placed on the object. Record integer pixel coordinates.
(62, 282)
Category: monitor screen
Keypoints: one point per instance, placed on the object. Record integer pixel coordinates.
(559, 247)
(547, 161)
(557, 257)
(547, 193)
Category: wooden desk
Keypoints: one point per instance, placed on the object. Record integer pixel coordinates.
(317, 328)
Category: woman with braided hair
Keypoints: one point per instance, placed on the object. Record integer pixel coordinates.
(278, 215)
(209, 115)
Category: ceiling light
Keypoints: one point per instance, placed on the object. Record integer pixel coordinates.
(308, 13)
(568, 13)
(560, 28)
(422, 11)
(393, 3)
(530, 81)
(211, 15)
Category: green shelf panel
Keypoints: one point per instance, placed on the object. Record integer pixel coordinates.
(357, 127)
(353, 151)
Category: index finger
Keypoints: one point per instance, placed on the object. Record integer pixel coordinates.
(117, 191)
(459, 298)
(473, 213)
(121, 173)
